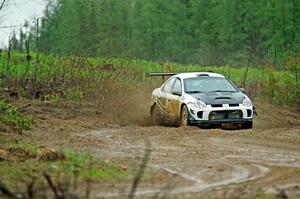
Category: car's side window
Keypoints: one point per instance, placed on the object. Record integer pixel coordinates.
(177, 88)
(168, 86)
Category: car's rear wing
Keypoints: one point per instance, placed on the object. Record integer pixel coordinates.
(161, 74)
(155, 74)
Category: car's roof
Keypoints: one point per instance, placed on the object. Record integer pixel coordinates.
(197, 74)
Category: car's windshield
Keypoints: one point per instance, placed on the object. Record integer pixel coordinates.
(208, 84)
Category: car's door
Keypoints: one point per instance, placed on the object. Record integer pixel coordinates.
(164, 94)
(173, 102)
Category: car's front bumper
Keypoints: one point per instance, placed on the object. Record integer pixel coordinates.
(245, 114)
(220, 121)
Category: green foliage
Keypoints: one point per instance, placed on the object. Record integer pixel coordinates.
(263, 196)
(75, 167)
(74, 95)
(87, 76)
(54, 98)
(8, 114)
(16, 144)
(298, 136)
(228, 32)
(88, 167)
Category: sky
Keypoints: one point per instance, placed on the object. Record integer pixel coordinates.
(16, 13)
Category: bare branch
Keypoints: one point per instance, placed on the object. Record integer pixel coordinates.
(22, 108)
(52, 186)
(30, 186)
(4, 2)
(140, 172)
(6, 191)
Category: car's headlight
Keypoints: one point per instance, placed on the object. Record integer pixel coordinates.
(247, 102)
(200, 104)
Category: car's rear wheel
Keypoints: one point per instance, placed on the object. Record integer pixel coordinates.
(155, 115)
(247, 125)
(184, 116)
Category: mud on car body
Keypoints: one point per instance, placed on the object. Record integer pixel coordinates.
(200, 98)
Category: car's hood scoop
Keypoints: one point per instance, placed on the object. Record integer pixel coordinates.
(220, 97)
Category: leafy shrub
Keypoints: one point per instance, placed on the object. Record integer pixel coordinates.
(74, 95)
(8, 114)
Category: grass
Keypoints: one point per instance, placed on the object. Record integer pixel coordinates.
(298, 136)
(85, 164)
(75, 166)
(93, 168)
(263, 196)
(73, 173)
(21, 145)
(9, 115)
(23, 163)
(87, 169)
(79, 77)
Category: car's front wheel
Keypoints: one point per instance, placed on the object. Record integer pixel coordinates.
(184, 116)
(247, 125)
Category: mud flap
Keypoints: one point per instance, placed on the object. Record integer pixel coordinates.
(254, 112)
(191, 118)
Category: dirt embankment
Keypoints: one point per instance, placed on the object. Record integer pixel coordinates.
(211, 163)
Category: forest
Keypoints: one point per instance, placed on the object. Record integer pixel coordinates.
(214, 33)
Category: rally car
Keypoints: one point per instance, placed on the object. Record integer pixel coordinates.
(200, 98)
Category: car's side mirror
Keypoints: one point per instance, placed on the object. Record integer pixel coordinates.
(242, 90)
(176, 93)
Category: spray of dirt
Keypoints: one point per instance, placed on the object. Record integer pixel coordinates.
(126, 107)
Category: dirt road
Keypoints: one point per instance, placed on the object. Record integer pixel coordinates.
(197, 163)
(212, 161)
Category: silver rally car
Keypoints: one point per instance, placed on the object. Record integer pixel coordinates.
(200, 98)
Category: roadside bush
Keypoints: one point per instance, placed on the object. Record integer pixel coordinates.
(9, 115)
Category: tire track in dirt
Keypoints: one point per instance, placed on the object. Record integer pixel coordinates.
(260, 154)
(239, 174)
(222, 161)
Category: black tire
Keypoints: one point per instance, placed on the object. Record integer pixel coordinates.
(184, 116)
(247, 125)
(155, 115)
